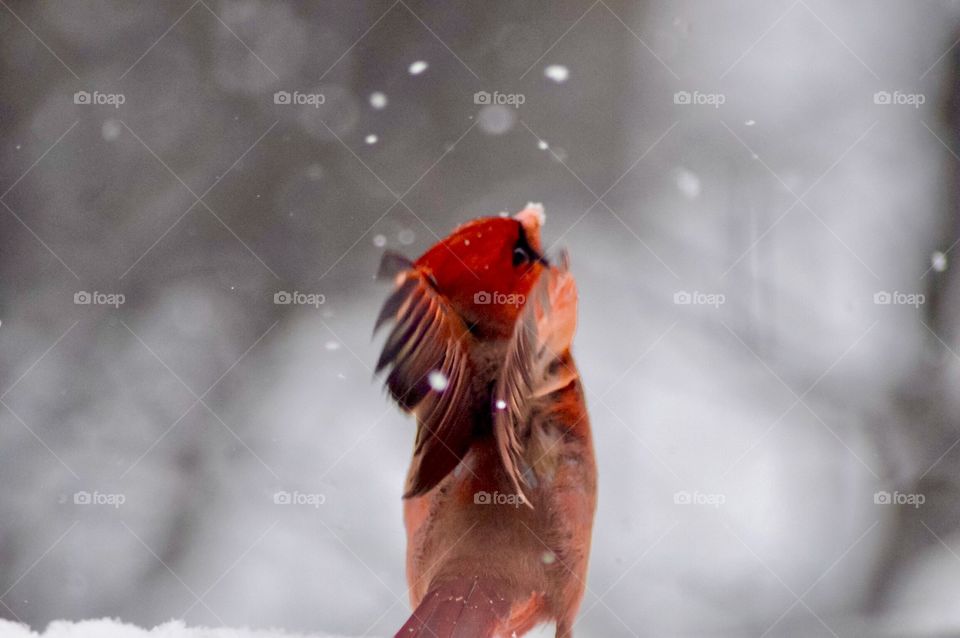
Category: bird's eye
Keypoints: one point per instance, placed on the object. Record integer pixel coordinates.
(523, 252)
(520, 256)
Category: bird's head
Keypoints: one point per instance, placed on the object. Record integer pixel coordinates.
(486, 269)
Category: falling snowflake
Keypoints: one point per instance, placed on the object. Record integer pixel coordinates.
(378, 100)
(557, 72)
(542, 145)
(379, 241)
(437, 380)
(406, 236)
(371, 139)
(332, 345)
(938, 261)
(501, 404)
(418, 67)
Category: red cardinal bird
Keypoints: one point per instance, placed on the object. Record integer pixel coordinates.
(501, 491)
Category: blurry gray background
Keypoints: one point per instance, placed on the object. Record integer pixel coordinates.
(790, 188)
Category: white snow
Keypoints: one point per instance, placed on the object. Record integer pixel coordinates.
(418, 67)
(111, 628)
(534, 210)
(938, 261)
(557, 72)
(438, 380)
(378, 100)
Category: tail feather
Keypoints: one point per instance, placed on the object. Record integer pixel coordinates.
(458, 608)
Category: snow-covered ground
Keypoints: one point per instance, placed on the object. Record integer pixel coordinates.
(109, 628)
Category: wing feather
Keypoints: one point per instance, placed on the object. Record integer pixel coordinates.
(541, 337)
(426, 337)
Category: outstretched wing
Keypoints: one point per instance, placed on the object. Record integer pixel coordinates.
(534, 366)
(428, 371)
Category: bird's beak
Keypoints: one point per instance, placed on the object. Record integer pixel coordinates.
(533, 218)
